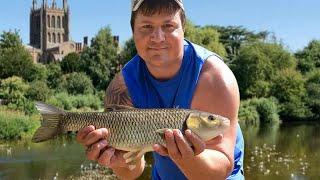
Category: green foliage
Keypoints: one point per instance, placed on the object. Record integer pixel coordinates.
(233, 37)
(268, 110)
(248, 113)
(16, 61)
(289, 89)
(14, 90)
(54, 74)
(16, 125)
(309, 57)
(71, 102)
(71, 63)
(38, 91)
(256, 67)
(10, 39)
(263, 110)
(100, 60)
(77, 83)
(128, 52)
(313, 91)
(205, 36)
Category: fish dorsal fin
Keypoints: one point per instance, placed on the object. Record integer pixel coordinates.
(116, 107)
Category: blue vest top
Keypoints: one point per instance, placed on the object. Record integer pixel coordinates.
(147, 92)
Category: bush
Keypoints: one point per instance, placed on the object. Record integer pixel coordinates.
(77, 83)
(248, 113)
(71, 102)
(268, 110)
(264, 110)
(16, 125)
(39, 91)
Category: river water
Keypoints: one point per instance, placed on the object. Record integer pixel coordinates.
(278, 151)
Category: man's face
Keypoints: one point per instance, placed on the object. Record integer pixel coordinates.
(159, 38)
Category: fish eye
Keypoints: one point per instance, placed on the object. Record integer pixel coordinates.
(211, 118)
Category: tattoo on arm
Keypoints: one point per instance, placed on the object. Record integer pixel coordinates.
(117, 92)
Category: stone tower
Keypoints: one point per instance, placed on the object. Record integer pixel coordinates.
(49, 26)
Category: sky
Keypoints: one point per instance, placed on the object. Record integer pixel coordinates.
(293, 22)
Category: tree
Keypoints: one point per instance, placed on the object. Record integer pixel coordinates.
(205, 36)
(233, 37)
(256, 66)
(100, 60)
(10, 39)
(77, 83)
(15, 60)
(289, 89)
(128, 52)
(309, 57)
(54, 74)
(71, 63)
(313, 91)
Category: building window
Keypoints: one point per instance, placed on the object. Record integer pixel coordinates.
(59, 22)
(48, 20)
(54, 37)
(59, 38)
(53, 21)
(49, 37)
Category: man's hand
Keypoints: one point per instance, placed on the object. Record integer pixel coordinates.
(97, 147)
(177, 146)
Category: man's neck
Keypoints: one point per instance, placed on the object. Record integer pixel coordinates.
(166, 71)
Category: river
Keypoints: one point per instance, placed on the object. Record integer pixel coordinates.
(278, 151)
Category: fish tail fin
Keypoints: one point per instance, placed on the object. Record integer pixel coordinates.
(50, 125)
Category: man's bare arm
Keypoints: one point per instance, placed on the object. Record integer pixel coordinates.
(117, 92)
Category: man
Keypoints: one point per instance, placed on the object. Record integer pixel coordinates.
(170, 72)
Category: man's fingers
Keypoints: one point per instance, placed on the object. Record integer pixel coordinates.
(196, 142)
(171, 145)
(95, 136)
(94, 150)
(184, 148)
(106, 156)
(83, 133)
(160, 150)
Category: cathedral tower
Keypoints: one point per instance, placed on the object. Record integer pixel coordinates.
(49, 25)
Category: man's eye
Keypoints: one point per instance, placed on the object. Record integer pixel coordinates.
(147, 26)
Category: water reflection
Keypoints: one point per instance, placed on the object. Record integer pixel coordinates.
(282, 151)
(277, 151)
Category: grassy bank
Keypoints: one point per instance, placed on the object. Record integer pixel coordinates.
(17, 125)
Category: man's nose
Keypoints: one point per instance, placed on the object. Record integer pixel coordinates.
(158, 35)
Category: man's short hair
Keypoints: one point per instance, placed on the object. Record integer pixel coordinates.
(151, 7)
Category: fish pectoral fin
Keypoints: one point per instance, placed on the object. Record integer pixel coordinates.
(132, 157)
(116, 107)
(161, 132)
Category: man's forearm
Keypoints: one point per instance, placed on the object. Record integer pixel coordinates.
(207, 165)
(125, 173)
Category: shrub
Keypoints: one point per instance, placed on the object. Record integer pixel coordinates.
(16, 125)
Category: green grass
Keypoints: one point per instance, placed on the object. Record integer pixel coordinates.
(16, 125)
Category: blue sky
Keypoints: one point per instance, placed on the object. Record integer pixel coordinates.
(294, 22)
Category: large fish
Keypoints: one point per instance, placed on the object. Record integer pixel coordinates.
(130, 129)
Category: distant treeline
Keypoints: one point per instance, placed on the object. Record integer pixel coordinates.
(274, 83)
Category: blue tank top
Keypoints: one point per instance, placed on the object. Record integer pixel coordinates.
(147, 92)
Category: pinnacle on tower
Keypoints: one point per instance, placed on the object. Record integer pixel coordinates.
(54, 4)
(34, 4)
(65, 5)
